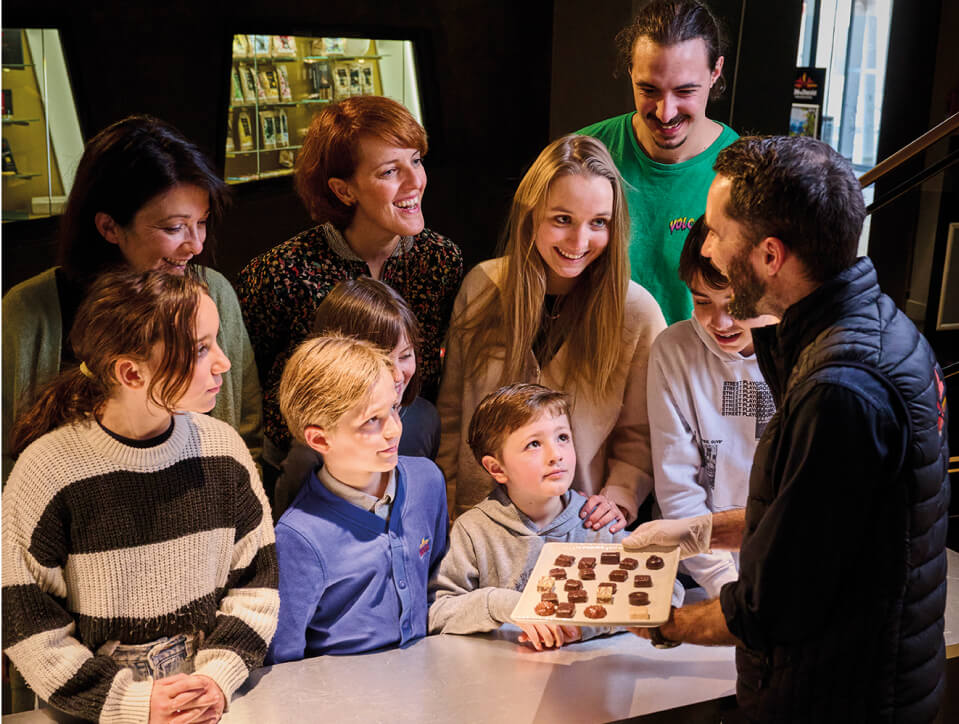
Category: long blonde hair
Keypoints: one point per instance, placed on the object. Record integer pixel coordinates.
(505, 321)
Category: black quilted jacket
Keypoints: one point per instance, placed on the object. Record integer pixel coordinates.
(842, 587)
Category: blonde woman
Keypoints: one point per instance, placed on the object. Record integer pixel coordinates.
(558, 309)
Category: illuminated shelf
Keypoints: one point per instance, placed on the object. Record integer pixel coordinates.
(318, 58)
(265, 59)
(235, 154)
(259, 176)
(303, 102)
(13, 174)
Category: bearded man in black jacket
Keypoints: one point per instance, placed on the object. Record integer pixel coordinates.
(838, 611)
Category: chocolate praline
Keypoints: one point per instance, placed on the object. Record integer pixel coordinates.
(545, 608)
(595, 611)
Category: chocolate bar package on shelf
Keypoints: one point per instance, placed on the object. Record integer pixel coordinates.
(284, 46)
(230, 147)
(261, 46)
(271, 88)
(248, 82)
(283, 80)
(241, 46)
(268, 128)
(366, 75)
(282, 129)
(9, 165)
(244, 130)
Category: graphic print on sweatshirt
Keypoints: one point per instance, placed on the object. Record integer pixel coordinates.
(747, 398)
(707, 470)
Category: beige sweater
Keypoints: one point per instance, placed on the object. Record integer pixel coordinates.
(611, 434)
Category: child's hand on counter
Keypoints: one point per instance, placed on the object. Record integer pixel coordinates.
(548, 635)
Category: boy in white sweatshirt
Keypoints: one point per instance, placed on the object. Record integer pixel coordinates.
(708, 405)
(521, 435)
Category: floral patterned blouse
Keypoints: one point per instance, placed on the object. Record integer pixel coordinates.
(280, 290)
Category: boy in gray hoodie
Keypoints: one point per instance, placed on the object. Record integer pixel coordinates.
(521, 435)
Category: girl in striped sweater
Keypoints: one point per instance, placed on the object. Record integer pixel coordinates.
(139, 566)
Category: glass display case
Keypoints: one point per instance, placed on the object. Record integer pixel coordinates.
(42, 143)
(278, 82)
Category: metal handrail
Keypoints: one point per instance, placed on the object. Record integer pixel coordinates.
(908, 151)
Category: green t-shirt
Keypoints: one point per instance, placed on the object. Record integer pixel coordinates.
(664, 200)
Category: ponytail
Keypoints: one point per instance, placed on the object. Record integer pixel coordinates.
(70, 397)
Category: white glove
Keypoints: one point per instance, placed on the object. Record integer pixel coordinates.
(690, 534)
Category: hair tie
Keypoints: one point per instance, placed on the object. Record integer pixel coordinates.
(85, 371)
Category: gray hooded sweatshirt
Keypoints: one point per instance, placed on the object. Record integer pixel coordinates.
(493, 548)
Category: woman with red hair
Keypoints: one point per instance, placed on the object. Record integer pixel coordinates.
(360, 173)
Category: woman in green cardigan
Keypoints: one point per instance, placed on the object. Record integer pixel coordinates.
(143, 197)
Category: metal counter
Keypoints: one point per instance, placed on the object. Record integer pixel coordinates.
(491, 678)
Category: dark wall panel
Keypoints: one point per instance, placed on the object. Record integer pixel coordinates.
(910, 69)
(760, 59)
(765, 41)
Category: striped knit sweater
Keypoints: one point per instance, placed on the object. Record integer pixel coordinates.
(106, 542)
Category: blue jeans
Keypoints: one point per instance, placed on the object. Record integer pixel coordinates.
(157, 659)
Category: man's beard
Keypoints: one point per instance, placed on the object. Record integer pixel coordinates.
(748, 288)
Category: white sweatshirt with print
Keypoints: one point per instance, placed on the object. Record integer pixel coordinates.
(707, 411)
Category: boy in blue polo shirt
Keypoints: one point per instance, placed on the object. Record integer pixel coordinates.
(360, 540)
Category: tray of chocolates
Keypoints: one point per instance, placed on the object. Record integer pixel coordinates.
(599, 584)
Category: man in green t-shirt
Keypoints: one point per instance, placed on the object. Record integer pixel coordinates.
(665, 149)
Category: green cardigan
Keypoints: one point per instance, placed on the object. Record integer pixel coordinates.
(32, 336)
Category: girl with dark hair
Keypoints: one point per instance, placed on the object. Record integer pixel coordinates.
(370, 310)
(360, 174)
(139, 567)
(144, 198)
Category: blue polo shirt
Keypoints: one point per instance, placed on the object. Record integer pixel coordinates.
(351, 582)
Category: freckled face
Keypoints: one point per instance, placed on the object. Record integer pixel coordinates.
(387, 188)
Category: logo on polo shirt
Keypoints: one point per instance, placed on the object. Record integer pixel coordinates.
(424, 546)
